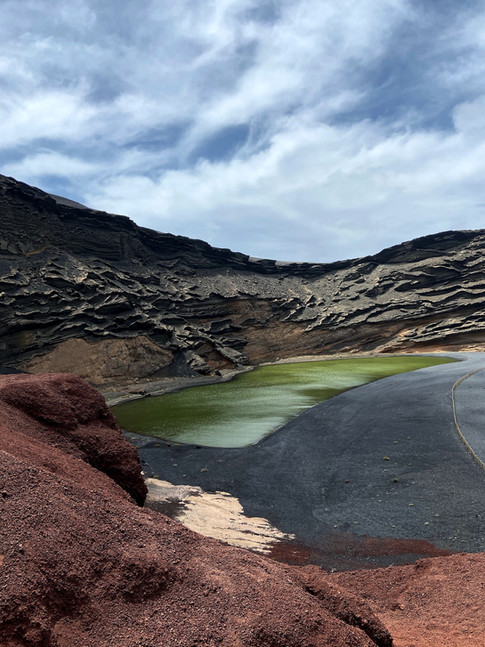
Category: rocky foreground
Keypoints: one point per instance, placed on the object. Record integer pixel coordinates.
(94, 294)
(81, 564)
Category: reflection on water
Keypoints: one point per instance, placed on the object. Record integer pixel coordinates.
(241, 412)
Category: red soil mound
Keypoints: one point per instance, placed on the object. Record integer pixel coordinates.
(65, 412)
(438, 602)
(81, 565)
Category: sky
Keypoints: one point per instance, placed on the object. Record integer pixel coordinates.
(298, 130)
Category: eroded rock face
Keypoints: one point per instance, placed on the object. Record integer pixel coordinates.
(81, 564)
(92, 293)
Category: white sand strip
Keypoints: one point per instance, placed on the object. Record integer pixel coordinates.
(218, 515)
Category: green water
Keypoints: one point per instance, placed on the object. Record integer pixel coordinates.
(254, 404)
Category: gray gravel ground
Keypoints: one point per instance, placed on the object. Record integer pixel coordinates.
(380, 461)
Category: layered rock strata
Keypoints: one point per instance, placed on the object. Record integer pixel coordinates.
(81, 564)
(93, 293)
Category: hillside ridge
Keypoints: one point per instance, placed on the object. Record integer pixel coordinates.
(95, 294)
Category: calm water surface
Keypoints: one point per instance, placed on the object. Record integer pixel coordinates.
(241, 412)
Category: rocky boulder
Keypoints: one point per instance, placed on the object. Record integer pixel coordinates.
(66, 413)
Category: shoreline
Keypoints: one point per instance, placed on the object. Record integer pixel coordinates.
(144, 387)
(381, 479)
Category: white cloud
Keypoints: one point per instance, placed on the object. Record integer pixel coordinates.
(365, 120)
(44, 115)
(342, 184)
(308, 59)
(50, 163)
(469, 118)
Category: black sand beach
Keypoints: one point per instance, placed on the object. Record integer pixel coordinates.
(375, 476)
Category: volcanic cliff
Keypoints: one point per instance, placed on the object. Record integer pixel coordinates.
(92, 293)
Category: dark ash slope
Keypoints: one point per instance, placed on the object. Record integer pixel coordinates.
(93, 293)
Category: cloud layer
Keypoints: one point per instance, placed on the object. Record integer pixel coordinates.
(298, 130)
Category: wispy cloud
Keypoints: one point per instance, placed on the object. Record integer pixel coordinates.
(293, 129)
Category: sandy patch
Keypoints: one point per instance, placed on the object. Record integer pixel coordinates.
(218, 515)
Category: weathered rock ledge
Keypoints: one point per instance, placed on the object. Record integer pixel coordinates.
(82, 565)
(87, 292)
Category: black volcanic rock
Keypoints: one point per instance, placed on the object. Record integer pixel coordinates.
(93, 293)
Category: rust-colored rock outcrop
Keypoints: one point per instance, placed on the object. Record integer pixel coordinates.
(435, 602)
(82, 565)
(64, 412)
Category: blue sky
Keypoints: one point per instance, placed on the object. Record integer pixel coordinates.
(296, 129)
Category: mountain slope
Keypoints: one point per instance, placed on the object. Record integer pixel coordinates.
(93, 293)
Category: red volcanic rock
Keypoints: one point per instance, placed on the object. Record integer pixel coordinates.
(81, 565)
(65, 412)
(437, 602)
(344, 605)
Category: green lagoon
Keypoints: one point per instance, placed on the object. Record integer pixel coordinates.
(254, 404)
